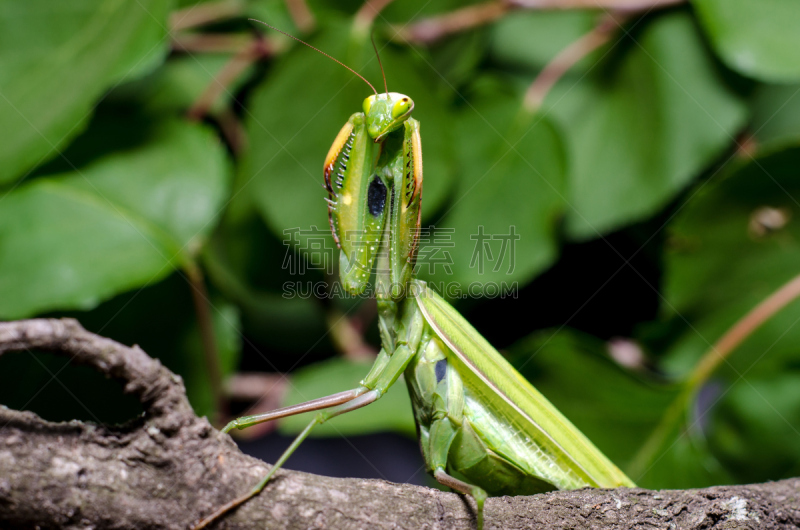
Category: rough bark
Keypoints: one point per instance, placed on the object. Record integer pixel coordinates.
(168, 468)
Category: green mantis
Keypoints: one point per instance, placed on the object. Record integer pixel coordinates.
(483, 429)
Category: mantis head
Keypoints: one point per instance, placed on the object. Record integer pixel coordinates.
(386, 113)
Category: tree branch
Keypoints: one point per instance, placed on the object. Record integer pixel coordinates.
(167, 468)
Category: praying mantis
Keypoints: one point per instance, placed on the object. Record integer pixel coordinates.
(483, 429)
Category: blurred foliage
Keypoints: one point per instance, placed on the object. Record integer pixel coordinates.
(755, 39)
(681, 134)
(644, 126)
(58, 60)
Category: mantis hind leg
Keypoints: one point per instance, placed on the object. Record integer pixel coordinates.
(320, 418)
(479, 494)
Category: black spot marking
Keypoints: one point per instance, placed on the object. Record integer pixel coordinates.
(441, 369)
(376, 196)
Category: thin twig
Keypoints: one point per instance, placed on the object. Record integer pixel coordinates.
(233, 130)
(431, 29)
(366, 14)
(256, 49)
(747, 145)
(301, 15)
(708, 364)
(202, 309)
(743, 328)
(203, 14)
(434, 28)
(608, 5)
(568, 57)
(211, 42)
(348, 339)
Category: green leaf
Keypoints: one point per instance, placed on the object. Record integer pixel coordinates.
(710, 291)
(274, 13)
(179, 83)
(244, 261)
(684, 459)
(758, 39)
(734, 244)
(390, 413)
(643, 129)
(759, 417)
(532, 39)
(58, 60)
(123, 221)
(776, 115)
(511, 184)
(456, 59)
(295, 114)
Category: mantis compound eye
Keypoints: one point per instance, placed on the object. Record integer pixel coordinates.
(401, 107)
(368, 104)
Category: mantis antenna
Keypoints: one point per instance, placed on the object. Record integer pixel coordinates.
(378, 55)
(322, 52)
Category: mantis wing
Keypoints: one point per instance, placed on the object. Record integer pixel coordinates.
(571, 460)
